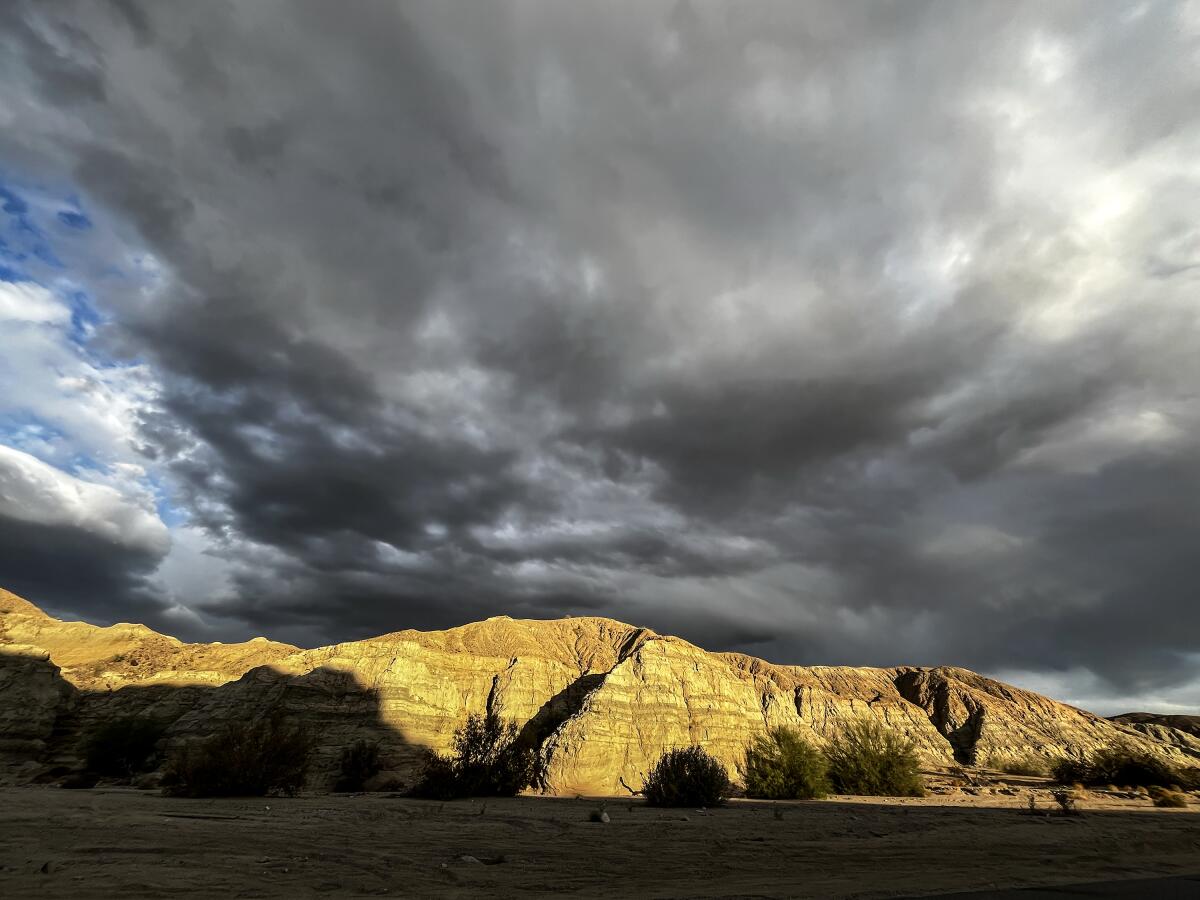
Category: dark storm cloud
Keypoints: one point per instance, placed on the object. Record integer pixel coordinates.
(843, 333)
(74, 572)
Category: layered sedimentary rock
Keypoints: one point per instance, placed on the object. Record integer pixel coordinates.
(1182, 731)
(600, 699)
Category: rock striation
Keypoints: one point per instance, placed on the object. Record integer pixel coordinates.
(599, 698)
(1182, 731)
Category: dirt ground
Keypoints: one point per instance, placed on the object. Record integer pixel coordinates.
(120, 842)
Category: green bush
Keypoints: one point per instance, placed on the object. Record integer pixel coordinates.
(781, 765)
(869, 759)
(1069, 770)
(242, 759)
(687, 777)
(488, 761)
(1018, 765)
(124, 747)
(359, 763)
(1118, 765)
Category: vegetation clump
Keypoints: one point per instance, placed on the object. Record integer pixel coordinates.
(868, 759)
(781, 765)
(488, 760)
(687, 776)
(1118, 765)
(1171, 799)
(242, 759)
(124, 747)
(358, 764)
(1067, 801)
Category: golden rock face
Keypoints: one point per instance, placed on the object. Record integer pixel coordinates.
(601, 699)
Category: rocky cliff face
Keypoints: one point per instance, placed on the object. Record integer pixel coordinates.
(1182, 731)
(601, 699)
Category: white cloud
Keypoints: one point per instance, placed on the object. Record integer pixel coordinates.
(77, 405)
(193, 571)
(25, 302)
(32, 491)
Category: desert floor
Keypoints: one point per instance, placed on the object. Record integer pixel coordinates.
(126, 843)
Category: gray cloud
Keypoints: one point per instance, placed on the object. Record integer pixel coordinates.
(841, 334)
(76, 544)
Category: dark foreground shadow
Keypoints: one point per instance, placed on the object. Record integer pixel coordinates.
(45, 720)
(1179, 887)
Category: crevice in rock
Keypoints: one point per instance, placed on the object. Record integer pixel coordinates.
(490, 705)
(564, 705)
(568, 703)
(633, 643)
(931, 693)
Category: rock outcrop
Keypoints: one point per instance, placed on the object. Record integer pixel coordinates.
(600, 699)
(1181, 731)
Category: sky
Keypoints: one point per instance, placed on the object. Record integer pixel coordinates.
(834, 333)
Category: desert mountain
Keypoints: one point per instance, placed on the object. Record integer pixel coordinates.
(601, 699)
(1182, 731)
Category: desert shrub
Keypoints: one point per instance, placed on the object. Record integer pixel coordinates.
(1067, 800)
(1170, 799)
(488, 761)
(1018, 765)
(1132, 766)
(359, 763)
(1117, 765)
(1068, 770)
(243, 759)
(870, 759)
(124, 747)
(687, 777)
(781, 765)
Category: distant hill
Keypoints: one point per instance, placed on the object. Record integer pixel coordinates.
(1190, 724)
(1181, 731)
(600, 699)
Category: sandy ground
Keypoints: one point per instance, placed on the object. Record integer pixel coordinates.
(125, 843)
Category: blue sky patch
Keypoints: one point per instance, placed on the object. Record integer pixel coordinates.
(84, 316)
(73, 219)
(12, 203)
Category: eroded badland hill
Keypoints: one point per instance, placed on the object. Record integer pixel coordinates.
(601, 699)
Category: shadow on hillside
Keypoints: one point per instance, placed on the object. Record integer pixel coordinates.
(45, 720)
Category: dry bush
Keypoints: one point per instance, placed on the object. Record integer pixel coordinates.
(781, 765)
(243, 759)
(124, 747)
(1117, 765)
(687, 777)
(1170, 799)
(870, 759)
(488, 761)
(1066, 800)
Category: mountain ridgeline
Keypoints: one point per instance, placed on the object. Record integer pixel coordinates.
(599, 699)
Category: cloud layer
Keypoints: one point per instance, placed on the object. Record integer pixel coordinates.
(836, 333)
